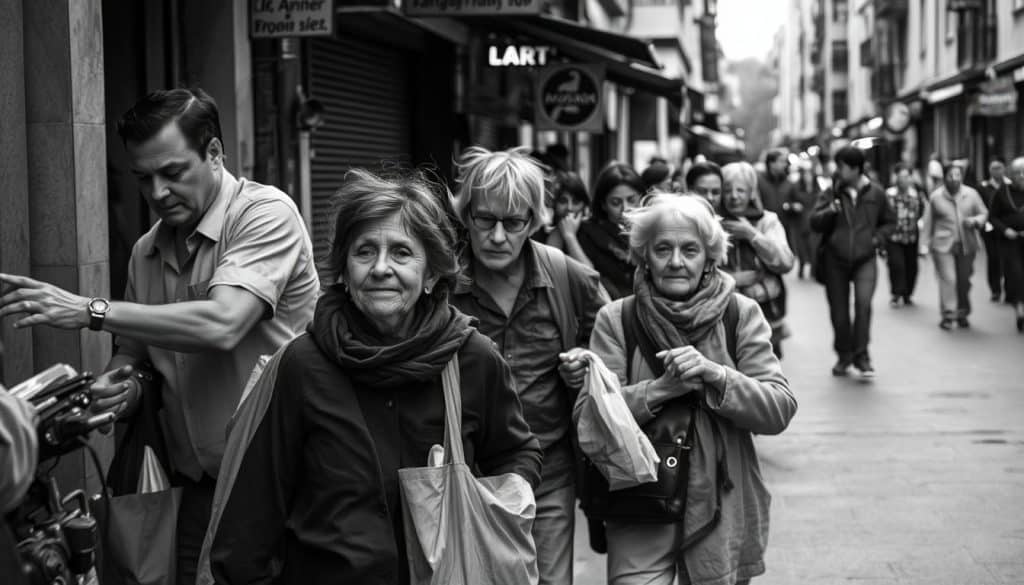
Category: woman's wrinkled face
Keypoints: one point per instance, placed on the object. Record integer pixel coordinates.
(621, 199)
(736, 197)
(386, 272)
(676, 257)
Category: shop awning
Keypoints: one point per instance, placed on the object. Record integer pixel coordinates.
(627, 60)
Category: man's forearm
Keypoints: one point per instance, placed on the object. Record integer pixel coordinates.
(184, 327)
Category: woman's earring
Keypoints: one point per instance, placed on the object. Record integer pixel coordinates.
(426, 290)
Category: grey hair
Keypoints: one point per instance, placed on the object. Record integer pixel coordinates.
(661, 208)
(510, 176)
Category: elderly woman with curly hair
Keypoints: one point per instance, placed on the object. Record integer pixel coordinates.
(729, 382)
(760, 254)
(359, 396)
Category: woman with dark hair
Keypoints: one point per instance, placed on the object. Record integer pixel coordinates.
(705, 179)
(617, 190)
(570, 207)
(359, 396)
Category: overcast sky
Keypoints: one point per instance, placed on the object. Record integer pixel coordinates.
(746, 27)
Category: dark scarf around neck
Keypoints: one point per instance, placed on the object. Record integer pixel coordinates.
(673, 324)
(344, 334)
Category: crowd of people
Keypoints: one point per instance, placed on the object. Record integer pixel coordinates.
(519, 276)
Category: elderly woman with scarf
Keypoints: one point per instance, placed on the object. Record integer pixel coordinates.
(760, 254)
(316, 493)
(617, 190)
(680, 301)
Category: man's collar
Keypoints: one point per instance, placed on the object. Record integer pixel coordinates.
(210, 225)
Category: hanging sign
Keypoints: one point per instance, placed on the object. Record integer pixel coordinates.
(470, 7)
(274, 19)
(568, 98)
(998, 97)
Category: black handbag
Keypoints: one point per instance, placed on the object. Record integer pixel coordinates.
(673, 436)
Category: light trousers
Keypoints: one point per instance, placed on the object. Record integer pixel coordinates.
(553, 532)
(646, 554)
(954, 271)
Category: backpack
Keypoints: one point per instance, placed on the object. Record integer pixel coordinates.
(566, 300)
(673, 434)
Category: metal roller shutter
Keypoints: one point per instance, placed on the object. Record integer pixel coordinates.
(365, 92)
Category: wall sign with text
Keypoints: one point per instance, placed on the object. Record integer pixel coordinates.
(273, 19)
(474, 7)
(569, 97)
(518, 55)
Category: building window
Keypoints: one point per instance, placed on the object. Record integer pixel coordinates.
(922, 31)
(950, 24)
(840, 11)
(840, 57)
(839, 110)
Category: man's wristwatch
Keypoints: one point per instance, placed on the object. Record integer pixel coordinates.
(98, 309)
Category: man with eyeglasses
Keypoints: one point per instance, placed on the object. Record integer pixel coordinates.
(513, 291)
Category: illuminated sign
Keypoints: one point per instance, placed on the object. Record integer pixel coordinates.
(518, 55)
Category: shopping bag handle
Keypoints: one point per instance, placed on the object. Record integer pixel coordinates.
(451, 381)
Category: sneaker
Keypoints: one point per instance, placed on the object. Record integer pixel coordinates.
(842, 368)
(963, 323)
(895, 302)
(908, 302)
(946, 324)
(995, 297)
(864, 368)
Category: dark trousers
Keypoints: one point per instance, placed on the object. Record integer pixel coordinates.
(994, 263)
(902, 261)
(193, 519)
(1011, 252)
(851, 334)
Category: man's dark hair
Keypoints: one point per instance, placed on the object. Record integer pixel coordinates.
(193, 110)
(852, 156)
(900, 166)
(701, 169)
(997, 159)
(654, 174)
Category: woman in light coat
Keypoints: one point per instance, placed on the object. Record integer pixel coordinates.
(681, 298)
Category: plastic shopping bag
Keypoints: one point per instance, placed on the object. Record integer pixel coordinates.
(609, 435)
(460, 529)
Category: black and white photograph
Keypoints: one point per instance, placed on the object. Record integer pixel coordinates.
(512, 292)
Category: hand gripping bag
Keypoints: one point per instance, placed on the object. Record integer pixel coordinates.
(608, 434)
(464, 530)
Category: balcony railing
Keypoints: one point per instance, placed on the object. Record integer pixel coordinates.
(840, 57)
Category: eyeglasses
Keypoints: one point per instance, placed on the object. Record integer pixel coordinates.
(512, 225)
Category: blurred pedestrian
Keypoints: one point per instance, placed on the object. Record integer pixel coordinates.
(1007, 217)
(950, 232)
(996, 185)
(570, 207)
(226, 275)
(908, 204)
(705, 180)
(680, 306)
(759, 254)
(657, 177)
(855, 221)
(774, 184)
(513, 291)
(316, 496)
(617, 190)
(797, 213)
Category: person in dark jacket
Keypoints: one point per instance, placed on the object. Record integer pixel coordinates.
(359, 396)
(1007, 217)
(855, 221)
(996, 185)
(617, 190)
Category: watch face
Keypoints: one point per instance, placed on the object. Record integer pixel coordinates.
(99, 306)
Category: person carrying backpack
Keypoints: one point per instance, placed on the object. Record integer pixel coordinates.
(697, 370)
(537, 305)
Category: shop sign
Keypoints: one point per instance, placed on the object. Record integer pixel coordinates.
(518, 55)
(998, 97)
(945, 93)
(568, 98)
(273, 19)
(470, 7)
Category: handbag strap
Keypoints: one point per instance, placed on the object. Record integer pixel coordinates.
(451, 382)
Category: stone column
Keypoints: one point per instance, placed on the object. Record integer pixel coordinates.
(16, 364)
(66, 148)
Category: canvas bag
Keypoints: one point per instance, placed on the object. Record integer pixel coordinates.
(609, 435)
(460, 529)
